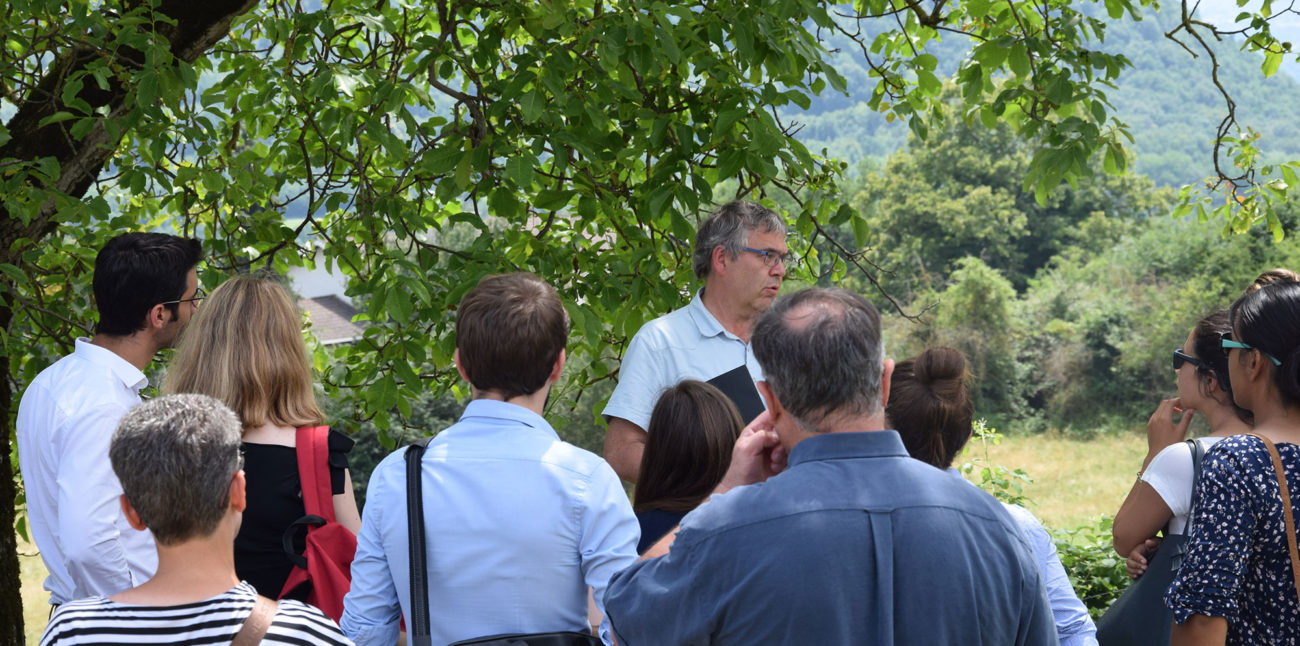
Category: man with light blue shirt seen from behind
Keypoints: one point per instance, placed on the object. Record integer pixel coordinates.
(740, 254)
(519, 522)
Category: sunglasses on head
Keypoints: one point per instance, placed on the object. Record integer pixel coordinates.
(1226, 342)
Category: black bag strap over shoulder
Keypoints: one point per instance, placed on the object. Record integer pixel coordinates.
(1180, 550)
(419, 632)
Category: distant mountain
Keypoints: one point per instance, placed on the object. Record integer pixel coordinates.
(1166, 97)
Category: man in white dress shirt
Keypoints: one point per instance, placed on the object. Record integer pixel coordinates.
(740, 254)
(146, 289)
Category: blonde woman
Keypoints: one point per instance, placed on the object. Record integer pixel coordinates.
(245, 348)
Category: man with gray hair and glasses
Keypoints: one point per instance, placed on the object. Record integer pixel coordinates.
(849, 540)
(740, 254)
(179, 462)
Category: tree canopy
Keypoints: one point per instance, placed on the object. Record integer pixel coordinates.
(415, 147)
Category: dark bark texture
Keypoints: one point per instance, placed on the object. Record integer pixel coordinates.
(196, 27)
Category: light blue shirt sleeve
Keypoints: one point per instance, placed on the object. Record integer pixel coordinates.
(642, 376)
(610, 533)
(1074, 625)
(371, 609)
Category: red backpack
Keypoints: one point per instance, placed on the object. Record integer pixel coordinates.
(326, 564)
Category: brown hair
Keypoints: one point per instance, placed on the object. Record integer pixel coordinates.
(688, 449)
(245, 348)
(930, 405)
(1272, 277)
(510, 329)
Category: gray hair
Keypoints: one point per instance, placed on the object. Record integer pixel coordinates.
(821, 354)
(730, 227)
(175, 457)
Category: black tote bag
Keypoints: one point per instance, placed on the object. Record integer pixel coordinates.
(1139, 616)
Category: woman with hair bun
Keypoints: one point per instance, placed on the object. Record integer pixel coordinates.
(1162, 495)
(1237, 583)
(693, 429)
(930, 407)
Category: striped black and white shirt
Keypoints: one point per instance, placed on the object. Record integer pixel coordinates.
(212, 621)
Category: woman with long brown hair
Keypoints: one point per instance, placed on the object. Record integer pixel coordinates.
(692, 430)
(245, 347)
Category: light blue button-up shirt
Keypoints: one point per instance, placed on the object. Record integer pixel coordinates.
(688, 343)
(518, 524)
(1074, 625)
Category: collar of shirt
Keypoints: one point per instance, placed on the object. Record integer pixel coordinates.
(864, 444)
(705, 322)
(130, 375)
(495, 409)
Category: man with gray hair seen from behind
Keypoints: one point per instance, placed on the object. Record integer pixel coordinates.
(853, 542)
(740, 254)
(179, 462)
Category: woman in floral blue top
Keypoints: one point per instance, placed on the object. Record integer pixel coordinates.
(1236, 585)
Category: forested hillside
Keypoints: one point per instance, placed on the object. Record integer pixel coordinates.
(1167, 97)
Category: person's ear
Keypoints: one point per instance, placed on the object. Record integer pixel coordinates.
(773, 404)
(159, 316)
(557, 368)
(719, 260)
(455, 358)
(239, 492)
(886, 373)
(132, 516)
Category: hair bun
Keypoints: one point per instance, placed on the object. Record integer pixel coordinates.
(939, 364)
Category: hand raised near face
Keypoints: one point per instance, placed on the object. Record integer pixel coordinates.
(757, 455)
(1162, 430)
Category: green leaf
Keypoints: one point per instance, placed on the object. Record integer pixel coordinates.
(726, 119)
(730, 163)
(531, 105)
(1018, 58)
(1272, 60)
(520, 168)
(57, 117)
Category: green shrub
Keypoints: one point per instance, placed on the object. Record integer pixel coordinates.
(1095, 570)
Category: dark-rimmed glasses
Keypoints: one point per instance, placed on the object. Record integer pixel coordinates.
(1226, 342)
(770, 257)
(199, 295)
(1181, 357)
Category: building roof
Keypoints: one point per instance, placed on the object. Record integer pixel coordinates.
(331, 319)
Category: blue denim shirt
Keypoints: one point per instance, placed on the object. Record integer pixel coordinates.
(518, 525)
(855, 543)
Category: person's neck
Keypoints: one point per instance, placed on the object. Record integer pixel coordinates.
(1277, 421)
(197, 569)
(535, 402)
(727, 313)
(137, 349)
(1224, 422)
(841, 424)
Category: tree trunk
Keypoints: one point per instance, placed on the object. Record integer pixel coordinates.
(198, 26)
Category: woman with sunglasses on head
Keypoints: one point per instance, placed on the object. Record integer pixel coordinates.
(245, 348)
(1237, 584)
(1161, 497)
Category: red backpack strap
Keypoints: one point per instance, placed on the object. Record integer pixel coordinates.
(314, 470)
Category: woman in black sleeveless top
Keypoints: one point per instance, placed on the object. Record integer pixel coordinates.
(245, 348)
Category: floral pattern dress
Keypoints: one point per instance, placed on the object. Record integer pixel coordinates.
(1238, 565)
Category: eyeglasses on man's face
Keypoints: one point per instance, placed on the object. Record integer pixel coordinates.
(1228, 344)
(769, 256)
(199, 295)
